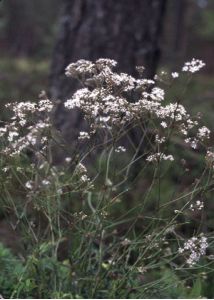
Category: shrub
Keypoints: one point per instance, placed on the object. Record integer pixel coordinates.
(121, 217)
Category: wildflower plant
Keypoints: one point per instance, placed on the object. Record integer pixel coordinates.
(117, 241)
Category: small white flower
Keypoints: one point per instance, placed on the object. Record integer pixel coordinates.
(83, 135)
(80, 168)
(68, 159)
(12, 135)
(84, 178)
(3, 130)
(203, 133)
(59, 191)
(175, 75)
(193, 66)
(163, 124)
(159, 139)
(192, 142)
(45, 182)
(159, 156)
(198, 205)
(126, 242)
(194, 248)
(105, 62)
(120, 149)
(81, 67)
(29, 185)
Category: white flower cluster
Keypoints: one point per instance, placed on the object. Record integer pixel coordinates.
(173, 111)
(27, 125)
(159, 140)
(198, 205)
(80, 168)
(83, 135)
(103, 104)
(104, 97)
(210, 158)
(203, 133)
(156, 94)
(29, 184)
(84, 178)
(81, 171)
(175, 75)
(194, 248)
(82, 66)
(120, 149)
(106, 103)
(45, 182)
(159, 156)
(193, 142)
(193, 66)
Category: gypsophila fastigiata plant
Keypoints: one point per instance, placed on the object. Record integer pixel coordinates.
(124, 214)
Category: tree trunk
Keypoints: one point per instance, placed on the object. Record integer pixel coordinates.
(176, 36)
(125, 30)
(128, 31)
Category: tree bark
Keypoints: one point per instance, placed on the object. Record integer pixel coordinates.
(176, 36)
(125, 30)
(128, 31)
